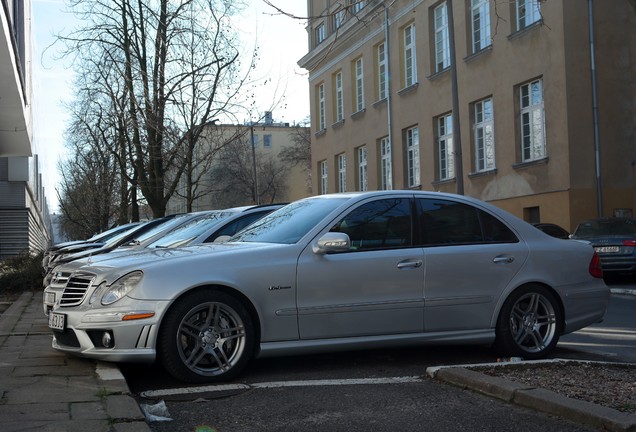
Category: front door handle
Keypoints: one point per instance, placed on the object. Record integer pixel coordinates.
(409, 264)
(503, 259)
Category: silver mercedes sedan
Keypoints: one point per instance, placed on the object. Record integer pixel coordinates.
(336, 272)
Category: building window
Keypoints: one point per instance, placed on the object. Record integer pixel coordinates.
(446, 159)
(413, 156)
(484, 136)
(356, 5)
(386, 167)
(254, 140)
(267, 141)
(442, 46)
(532, 121)
(480, 14)
(321, 108)
(342, 173)
(339, 18)
(319, 33)
(359, 87)
(382, 82)
(410, 63)
(339, 108)
(323, 177)
(528, 13)
(363, 183)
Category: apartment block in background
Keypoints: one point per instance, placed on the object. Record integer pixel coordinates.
(530, 105)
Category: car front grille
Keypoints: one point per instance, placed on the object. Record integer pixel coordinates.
(75, 290)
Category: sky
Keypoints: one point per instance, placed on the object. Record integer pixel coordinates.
(281, 39)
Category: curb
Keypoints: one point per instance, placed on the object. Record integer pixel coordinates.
(539, 399)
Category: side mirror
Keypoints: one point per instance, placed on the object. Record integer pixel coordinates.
(332, 242)
(222, 239)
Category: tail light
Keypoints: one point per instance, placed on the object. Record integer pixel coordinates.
(595, 266)
(629, 242)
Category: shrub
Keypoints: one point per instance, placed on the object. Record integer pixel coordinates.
(20, 273)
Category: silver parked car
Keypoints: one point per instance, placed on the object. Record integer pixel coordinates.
(336, 272)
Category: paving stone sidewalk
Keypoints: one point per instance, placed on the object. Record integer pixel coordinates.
(44, 390)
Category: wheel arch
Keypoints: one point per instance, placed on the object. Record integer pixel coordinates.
(238, 295)
(550, 288)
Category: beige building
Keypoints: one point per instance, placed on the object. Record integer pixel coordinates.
(545, 120)
(269, 138)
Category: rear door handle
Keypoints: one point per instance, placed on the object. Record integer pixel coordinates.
(503, 259)
(409, 264)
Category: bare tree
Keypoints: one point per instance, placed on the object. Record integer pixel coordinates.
(168, 68)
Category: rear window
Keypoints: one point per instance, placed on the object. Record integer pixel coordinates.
(606, 228)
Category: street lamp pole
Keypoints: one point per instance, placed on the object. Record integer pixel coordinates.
(257, 199)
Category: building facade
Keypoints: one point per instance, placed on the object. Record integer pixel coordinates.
(24, 221)
(227, 181)
(530, 105)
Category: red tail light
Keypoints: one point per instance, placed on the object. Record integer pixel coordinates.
(629, 242)
(595, 266)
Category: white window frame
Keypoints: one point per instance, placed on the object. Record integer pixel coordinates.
(480, 22)
(382, 81)
(413, 156)
(324, 171)
(442, 44)
(356, 5)
(410, 58)
(532, 121)
(527, 13)
(339, 97)
(342, 172)
(339, 18)
(322, 123)
(363, 173)
(484, 135)
(319, 33)
(359, 88)
(446, 155)
(386, 165)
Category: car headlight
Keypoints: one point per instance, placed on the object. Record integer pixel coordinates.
(99, 291)
(121, 287)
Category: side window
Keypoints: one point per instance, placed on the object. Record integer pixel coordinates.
(236, 226)
(379, 224)
(443, 222)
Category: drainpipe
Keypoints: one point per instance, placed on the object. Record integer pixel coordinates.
(388, 83)
(457, 139)
(597, 145)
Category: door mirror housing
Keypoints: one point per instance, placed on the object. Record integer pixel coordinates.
(332, 242)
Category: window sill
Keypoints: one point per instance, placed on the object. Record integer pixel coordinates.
(436, 75)
(528, 164)
(443, 182)
(337, 124)
(484, 173)
(358, 114)
(479, 54)
(523, 31)
(320, 133)
(409, 89)
(379, 103)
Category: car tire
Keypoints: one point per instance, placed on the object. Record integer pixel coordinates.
(206, 336)
(529, 324)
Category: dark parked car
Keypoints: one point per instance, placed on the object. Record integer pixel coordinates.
(614, 239)
(553, 229)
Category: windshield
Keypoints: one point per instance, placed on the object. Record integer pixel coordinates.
(189, 231)
(290, 223)
(607, 228)
(162, 227)
(104, 236)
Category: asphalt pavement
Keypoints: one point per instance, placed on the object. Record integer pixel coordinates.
(44, 390)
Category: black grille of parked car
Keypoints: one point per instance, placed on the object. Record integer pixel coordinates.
(75, 290)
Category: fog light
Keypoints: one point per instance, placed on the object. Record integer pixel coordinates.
(107, 340)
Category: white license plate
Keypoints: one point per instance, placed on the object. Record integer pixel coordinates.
(57, 321)
(49, 298)
(607, 249)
